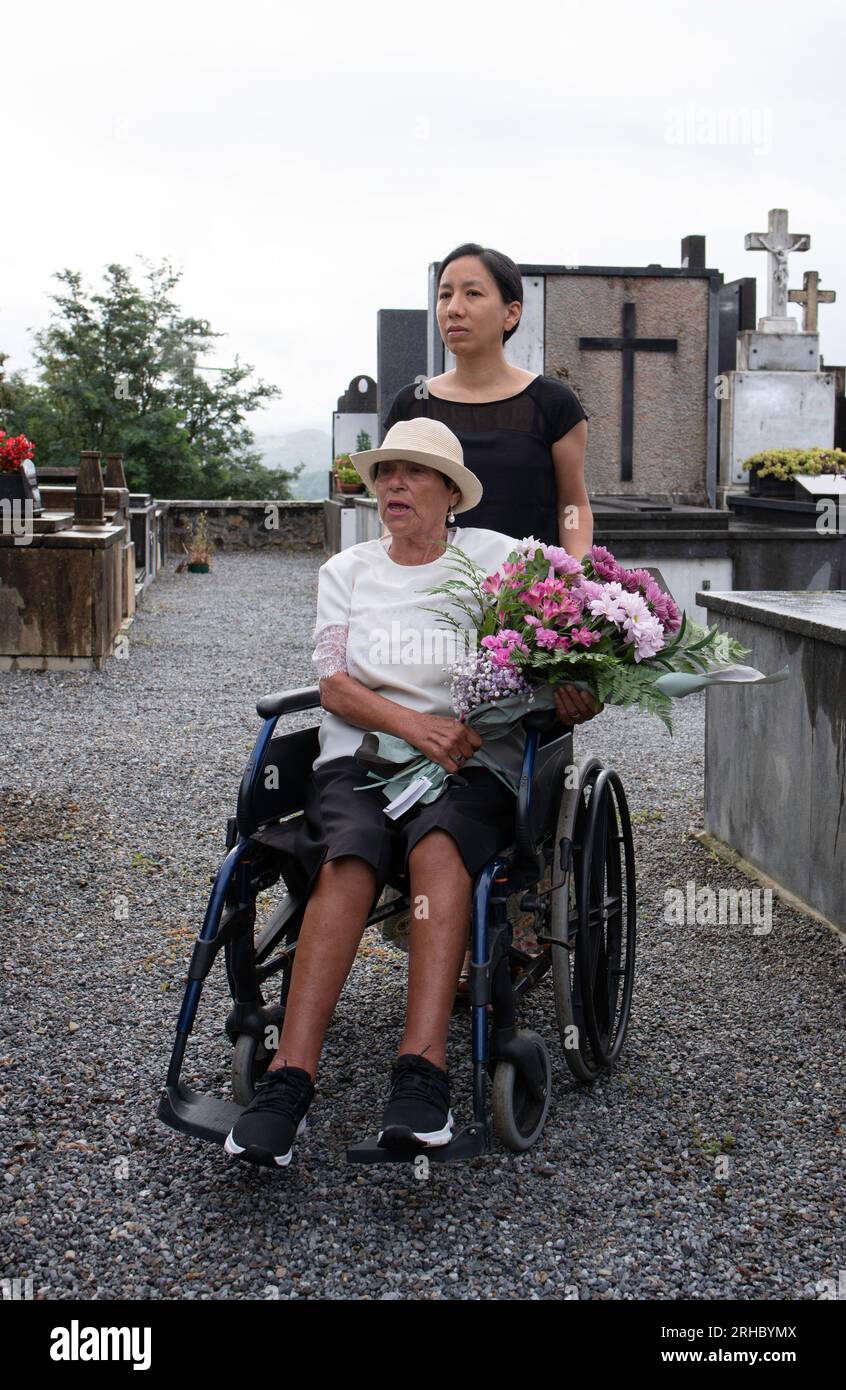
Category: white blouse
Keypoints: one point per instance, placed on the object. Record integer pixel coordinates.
(372, 622)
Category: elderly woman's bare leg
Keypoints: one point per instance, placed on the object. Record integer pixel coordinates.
(332, 928)
(441, 900)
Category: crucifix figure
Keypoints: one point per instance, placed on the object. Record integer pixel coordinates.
(629, 345)
(810, 296)
(778, 243)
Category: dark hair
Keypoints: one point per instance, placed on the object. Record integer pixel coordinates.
(502, 268)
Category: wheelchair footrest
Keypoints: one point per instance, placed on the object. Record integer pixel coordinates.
(466, 1143)
(202, 1116)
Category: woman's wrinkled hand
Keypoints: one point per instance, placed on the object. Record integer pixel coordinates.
(448, 742)
(574, 706)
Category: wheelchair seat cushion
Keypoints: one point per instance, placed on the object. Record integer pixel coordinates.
(478, 813)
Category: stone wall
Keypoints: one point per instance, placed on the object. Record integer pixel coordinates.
(246, 525)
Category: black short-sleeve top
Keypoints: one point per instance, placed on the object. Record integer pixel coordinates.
(507, 444)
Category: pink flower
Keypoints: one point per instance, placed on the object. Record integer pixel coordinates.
(635, 608)
(608, 603)
(546, 637)
(585, 636)
(647, 637)
(628, 579)
(501, 656)
(504, 641)
(603, 562)
(491, 584)
(565, 607)
(674, 615)
(586, 589)
(561, 560)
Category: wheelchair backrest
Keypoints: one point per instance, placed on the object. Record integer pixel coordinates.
(277, 787)
(554, 753)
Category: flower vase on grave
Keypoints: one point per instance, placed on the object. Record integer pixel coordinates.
(18, 479)
(768, 486)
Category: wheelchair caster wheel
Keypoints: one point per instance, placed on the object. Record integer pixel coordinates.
(250, 1061)
(518, 1114)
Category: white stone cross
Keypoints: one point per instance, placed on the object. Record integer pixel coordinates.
(778, 243)
(809, 297)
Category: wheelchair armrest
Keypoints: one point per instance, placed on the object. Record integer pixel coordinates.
(288, 701)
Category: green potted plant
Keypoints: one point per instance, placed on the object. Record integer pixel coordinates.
(346, 475)
(772, 473)
(198, 548)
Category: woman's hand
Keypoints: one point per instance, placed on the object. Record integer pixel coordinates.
(574, 706)
(447, 742)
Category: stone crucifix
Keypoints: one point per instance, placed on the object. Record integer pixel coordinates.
(778, 243)
(810, 296)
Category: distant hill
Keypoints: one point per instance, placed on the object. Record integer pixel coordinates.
(311, 447)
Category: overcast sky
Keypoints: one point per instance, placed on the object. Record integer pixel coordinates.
(303, 166)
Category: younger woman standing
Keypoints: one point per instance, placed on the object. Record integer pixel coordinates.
(523, 435)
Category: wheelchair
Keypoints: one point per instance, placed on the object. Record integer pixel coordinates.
(570, 866)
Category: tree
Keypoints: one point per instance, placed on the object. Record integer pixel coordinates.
(120, 371)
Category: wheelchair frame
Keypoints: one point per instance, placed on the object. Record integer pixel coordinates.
(587, 918)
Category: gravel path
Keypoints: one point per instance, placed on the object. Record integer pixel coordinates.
(709, 1165)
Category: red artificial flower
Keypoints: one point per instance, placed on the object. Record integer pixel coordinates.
(14, 449)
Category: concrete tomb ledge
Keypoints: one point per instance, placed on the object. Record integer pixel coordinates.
(813, 613)
(775, 755)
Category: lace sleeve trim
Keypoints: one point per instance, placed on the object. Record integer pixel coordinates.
(330, 650)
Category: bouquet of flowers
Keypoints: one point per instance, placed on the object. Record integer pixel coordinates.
(546, 619)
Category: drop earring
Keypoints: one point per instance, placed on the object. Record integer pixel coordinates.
(450, 516)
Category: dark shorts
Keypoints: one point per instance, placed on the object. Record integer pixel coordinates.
(337, 820)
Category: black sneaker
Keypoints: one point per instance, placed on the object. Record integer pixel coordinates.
(418, 1110)
(274, 1118)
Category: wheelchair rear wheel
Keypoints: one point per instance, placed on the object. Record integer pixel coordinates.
(593, 921)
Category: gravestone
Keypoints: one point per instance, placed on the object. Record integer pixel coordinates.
(400, 356)
(357, 410)
(778, 398)
(737, 313)
(810, 297)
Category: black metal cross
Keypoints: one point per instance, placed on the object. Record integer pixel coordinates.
(629, 345)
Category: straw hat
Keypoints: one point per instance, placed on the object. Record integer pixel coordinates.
(423, 441)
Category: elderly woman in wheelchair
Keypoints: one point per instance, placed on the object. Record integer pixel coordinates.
(347, 847)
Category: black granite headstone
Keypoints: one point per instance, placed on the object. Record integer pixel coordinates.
(400, 354)
(737, 313)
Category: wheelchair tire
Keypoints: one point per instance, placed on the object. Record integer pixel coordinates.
(605, 892)
(563, 929)
(250, 1060)
(518, 1116)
